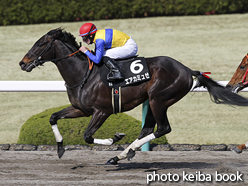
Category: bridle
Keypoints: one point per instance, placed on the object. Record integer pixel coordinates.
(39, 62)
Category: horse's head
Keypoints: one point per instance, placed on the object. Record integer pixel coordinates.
(239, 80)
(43, 49)
(39, 52)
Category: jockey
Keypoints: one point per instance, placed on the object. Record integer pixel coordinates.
(110, 44)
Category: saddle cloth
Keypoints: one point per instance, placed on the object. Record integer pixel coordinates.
(134, 69)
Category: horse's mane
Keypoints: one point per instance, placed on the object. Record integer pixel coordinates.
(62, 35)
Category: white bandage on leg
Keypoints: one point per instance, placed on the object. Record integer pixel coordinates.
(123, 154)
(142, 141)
(57, 134)
(103, 141)
(135, 145)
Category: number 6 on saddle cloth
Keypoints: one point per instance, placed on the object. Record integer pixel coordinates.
(134, 69)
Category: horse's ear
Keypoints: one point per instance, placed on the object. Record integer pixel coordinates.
(57, 33)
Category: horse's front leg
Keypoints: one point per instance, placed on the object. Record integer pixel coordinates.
(96, 122)
(69, 112)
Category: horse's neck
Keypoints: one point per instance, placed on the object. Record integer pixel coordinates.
(72, 69)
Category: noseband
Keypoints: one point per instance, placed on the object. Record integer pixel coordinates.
(38, 60)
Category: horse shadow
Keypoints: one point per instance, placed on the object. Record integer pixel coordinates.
(155, 166)
(77, 167)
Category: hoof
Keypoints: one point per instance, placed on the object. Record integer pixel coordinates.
(118, 137)
(130, 154)
(61, 152)
(61, 149)
(112, 161)
(237, 150)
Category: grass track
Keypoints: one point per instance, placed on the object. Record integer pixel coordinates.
(207, 43)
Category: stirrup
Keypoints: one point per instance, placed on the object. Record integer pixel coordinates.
(115, 76)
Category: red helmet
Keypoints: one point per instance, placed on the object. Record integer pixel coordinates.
(86, 29)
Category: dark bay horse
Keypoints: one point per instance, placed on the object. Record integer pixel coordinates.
(238, 82)
(170, 81)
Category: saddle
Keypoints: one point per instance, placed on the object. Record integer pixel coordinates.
(134, 69)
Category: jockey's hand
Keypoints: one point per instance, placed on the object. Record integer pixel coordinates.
(83, 49)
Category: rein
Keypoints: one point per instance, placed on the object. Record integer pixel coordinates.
(85, 78)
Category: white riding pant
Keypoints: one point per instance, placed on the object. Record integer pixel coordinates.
(128, 50)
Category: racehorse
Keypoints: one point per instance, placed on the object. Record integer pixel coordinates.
(170, 81)
(238, 82)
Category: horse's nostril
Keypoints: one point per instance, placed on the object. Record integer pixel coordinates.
(21, 63)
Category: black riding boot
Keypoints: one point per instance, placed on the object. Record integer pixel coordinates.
(115, 73)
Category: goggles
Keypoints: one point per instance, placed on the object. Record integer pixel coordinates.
(85, 37)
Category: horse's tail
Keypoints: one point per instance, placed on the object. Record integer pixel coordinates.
(218, 93)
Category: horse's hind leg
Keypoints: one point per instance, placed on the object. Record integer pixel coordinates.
(158, 113)
(147, 130)
(149, 125)
(163, 127)
(69, 112)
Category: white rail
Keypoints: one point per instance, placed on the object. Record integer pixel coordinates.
(32, 86)
(56, 86)
(223, 83)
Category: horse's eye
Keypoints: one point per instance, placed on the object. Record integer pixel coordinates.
(42, 43)
(241, 67)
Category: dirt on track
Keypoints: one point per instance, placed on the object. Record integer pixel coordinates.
(87, 167)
